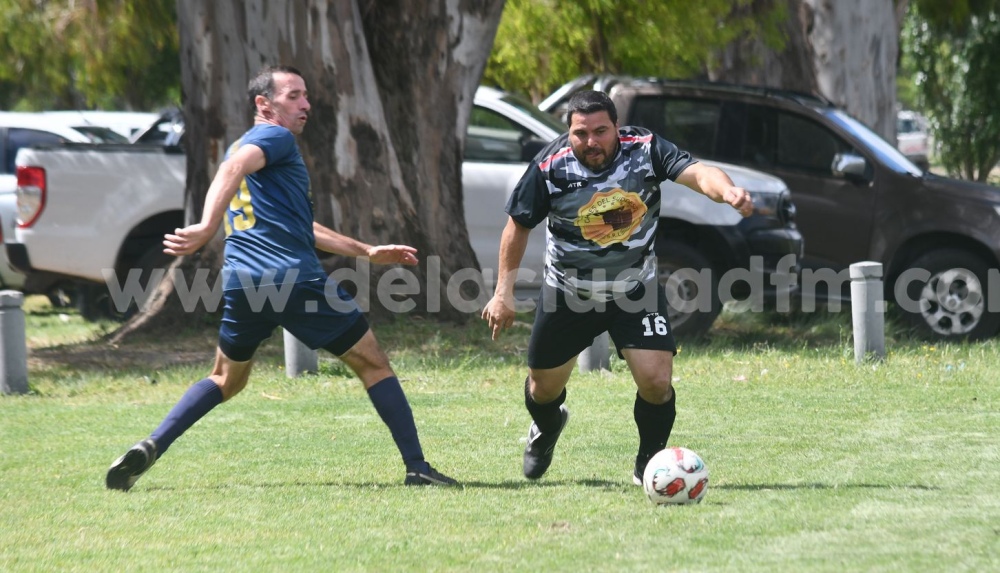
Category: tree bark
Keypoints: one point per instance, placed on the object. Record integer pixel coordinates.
(391, 85)
(845, 51)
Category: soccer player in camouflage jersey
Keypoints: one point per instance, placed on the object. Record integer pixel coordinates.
(599, 187)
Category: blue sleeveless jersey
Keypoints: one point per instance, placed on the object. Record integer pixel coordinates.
(269, 223)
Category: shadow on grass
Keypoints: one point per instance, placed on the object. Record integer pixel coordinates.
(797, 330)
(502, 485)
(524, 485)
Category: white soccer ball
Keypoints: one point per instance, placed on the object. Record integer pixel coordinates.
(675, 476)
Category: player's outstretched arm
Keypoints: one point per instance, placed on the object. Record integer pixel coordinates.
(717, 186)
(333, 242)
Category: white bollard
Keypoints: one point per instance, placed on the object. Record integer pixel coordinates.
(13, 345)
(868, 311)
(299, 358)
(597, 356)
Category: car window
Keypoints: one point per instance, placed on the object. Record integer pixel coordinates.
(98, 134)
(690, 124)
(168, 130)
(760, 137)
(538, 115)
(18, 138)
(494, 138)
(805, 145)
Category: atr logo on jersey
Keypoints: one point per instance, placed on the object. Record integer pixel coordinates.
(576, 185)
(610, 216)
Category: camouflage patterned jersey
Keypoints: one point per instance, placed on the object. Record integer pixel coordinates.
(602, 226)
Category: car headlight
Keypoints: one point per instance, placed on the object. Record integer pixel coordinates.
(773, 205)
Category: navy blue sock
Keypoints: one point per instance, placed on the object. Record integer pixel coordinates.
(193, 405)
(391, 405)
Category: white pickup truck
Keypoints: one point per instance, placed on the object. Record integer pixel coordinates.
(83, 209)
(26, 129)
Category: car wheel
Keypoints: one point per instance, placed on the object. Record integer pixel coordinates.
(953, 302)
(95, 301)
(692, 289)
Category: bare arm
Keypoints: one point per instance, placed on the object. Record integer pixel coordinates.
(248, 159)
(717, 186)
(333, 242)
(499, 312)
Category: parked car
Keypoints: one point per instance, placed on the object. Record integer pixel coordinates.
(19, 130)
(505, 133)
(912, 138)
(858, 198)
(86, 209)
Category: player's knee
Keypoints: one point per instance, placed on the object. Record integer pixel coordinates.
(229, 385)
(656, 389)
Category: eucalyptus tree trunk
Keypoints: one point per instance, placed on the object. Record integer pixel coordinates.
(391, 85)
(846, 51)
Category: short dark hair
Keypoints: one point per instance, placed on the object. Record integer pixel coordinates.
(590, 101)
(263, 83)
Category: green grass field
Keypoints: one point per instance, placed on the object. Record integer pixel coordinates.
(816, 464)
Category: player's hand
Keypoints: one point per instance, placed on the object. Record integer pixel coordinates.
(391, 254)
(499, 314)
(188, 240)
(740, 200)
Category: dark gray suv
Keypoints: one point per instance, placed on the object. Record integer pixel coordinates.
(858, 197)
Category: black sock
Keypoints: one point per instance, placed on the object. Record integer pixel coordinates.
(546, 416)
(390, 403)
(199, 400)
(654, 421)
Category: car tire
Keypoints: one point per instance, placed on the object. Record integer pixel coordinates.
(94, 301)
(686, 275)
(954, 302)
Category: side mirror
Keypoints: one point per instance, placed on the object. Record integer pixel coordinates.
(849, 166)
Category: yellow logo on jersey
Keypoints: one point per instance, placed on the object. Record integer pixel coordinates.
(610, 216)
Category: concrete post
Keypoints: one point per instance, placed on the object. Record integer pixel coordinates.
(299, 358)
(868, 311)
(13, 345)
(597, 356)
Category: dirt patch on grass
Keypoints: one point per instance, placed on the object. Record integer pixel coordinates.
(86, 356)
(189, 347)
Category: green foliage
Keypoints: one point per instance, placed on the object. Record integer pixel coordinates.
(958, 81)
(107, 54)
(541, 44)
(952, 16)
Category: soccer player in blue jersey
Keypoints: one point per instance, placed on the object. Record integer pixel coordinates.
(599, 187)
(261, 193)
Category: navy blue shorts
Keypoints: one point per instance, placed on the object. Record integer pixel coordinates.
(249, 318)
(561, 331)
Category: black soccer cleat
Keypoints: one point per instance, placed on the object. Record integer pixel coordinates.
(125, 471)
(640, 469)
(429, 477)
(538, 451)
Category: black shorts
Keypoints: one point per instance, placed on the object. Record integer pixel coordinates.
(321, 315)
(564, 328)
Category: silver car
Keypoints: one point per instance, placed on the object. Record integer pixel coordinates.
(505, 132)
